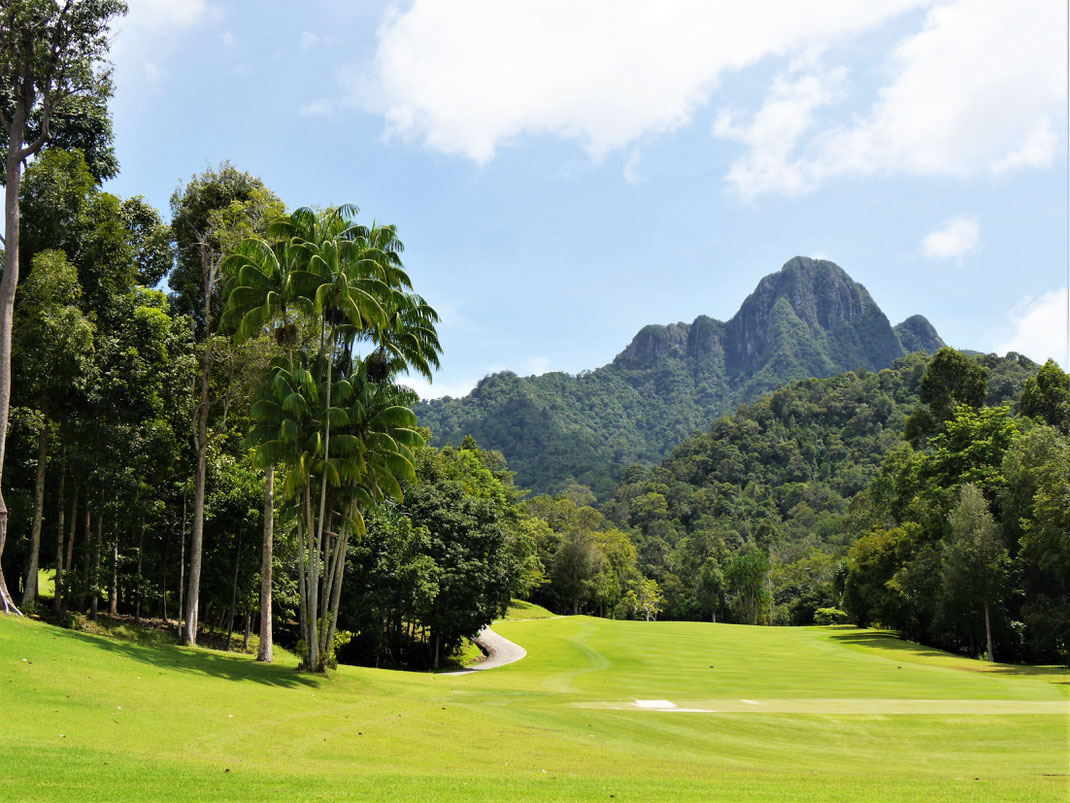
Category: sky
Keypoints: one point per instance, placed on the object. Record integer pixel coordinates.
(565, 172)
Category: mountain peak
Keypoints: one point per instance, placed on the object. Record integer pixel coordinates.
(917, 334)
(809, 319)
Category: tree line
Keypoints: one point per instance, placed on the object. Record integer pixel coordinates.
(924, 498)
(205, 414)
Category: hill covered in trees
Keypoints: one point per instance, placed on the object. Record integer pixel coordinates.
(807, 319)
(869, 491)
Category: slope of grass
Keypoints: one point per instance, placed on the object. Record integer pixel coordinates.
(92, 717)
(521, 610)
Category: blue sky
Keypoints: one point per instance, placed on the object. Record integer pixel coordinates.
(564, 172)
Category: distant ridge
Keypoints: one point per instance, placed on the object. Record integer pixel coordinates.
(807, 319)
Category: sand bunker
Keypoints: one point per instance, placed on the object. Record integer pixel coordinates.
(820, 706)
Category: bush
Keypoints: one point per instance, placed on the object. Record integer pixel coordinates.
(829, 616)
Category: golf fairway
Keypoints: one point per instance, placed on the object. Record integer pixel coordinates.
(597, 710)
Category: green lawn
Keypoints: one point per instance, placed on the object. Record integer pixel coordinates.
(521, 610)
(823, 713)
(46, 583)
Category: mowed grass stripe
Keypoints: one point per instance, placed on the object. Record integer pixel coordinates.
(90, 717)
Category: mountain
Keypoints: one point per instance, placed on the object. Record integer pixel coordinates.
(809, 319)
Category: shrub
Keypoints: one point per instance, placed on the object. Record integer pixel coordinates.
(829, 616)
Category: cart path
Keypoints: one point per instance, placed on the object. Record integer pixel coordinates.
(499, 652)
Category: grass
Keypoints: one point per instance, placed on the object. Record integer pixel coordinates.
(89, 716)
(520, 610)
(46, 582)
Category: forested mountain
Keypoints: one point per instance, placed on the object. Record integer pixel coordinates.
(807, 319)
(778, 482)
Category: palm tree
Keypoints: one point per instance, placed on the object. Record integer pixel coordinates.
(264, 295)
(332, 416)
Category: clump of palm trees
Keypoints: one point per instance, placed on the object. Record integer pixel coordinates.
(334, 298)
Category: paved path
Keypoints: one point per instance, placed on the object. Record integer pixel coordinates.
(500, 651)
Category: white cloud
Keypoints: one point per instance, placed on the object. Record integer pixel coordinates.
(773, 133)
(155, 73)
(466, 76)
(167, 14)
(228, 39)
(537, 366)
(317, 108)
(631, 166)
(1038, 328)
(428, 390)
(957, 237)
(148, 33)
(308, 40)
(980, 89)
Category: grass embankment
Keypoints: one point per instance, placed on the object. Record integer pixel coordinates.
(92, 717)
(521, 611)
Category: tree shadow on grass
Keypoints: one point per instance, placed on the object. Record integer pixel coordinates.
(199, 661)
(889, 640)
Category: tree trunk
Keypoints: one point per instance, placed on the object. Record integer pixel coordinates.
(113, 592)
(87, 557)
(302, 574)
(233, 594)
(193, 592)
(29, 588)
(69, 563)
(182, 564)
(8, 284)
(94, 587)
(140, 579)
(988, 635)
(57, 594)
(336, 593)
(200, 442)
(309, 585)
(264, 651)
(163, 580)
(245, 642)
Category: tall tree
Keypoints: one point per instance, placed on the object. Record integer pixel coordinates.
(265, 294)
(975, 561)
(338, 423)
(1046, 396)
(52, 344)
(951, 379)
(211, 216)
(50, 62)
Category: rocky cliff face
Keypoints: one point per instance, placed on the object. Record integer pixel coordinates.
(807, 319)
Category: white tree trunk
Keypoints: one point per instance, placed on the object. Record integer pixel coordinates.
(264, 652)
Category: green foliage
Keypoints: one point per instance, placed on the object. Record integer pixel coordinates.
(829, 616)
(975, 563)
(335, 421)
(1046, 397)
(436, 567)
(54, 77)
(960, 570)
(210, 217)
(747, 577)
(951, 380)
(776, 474)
